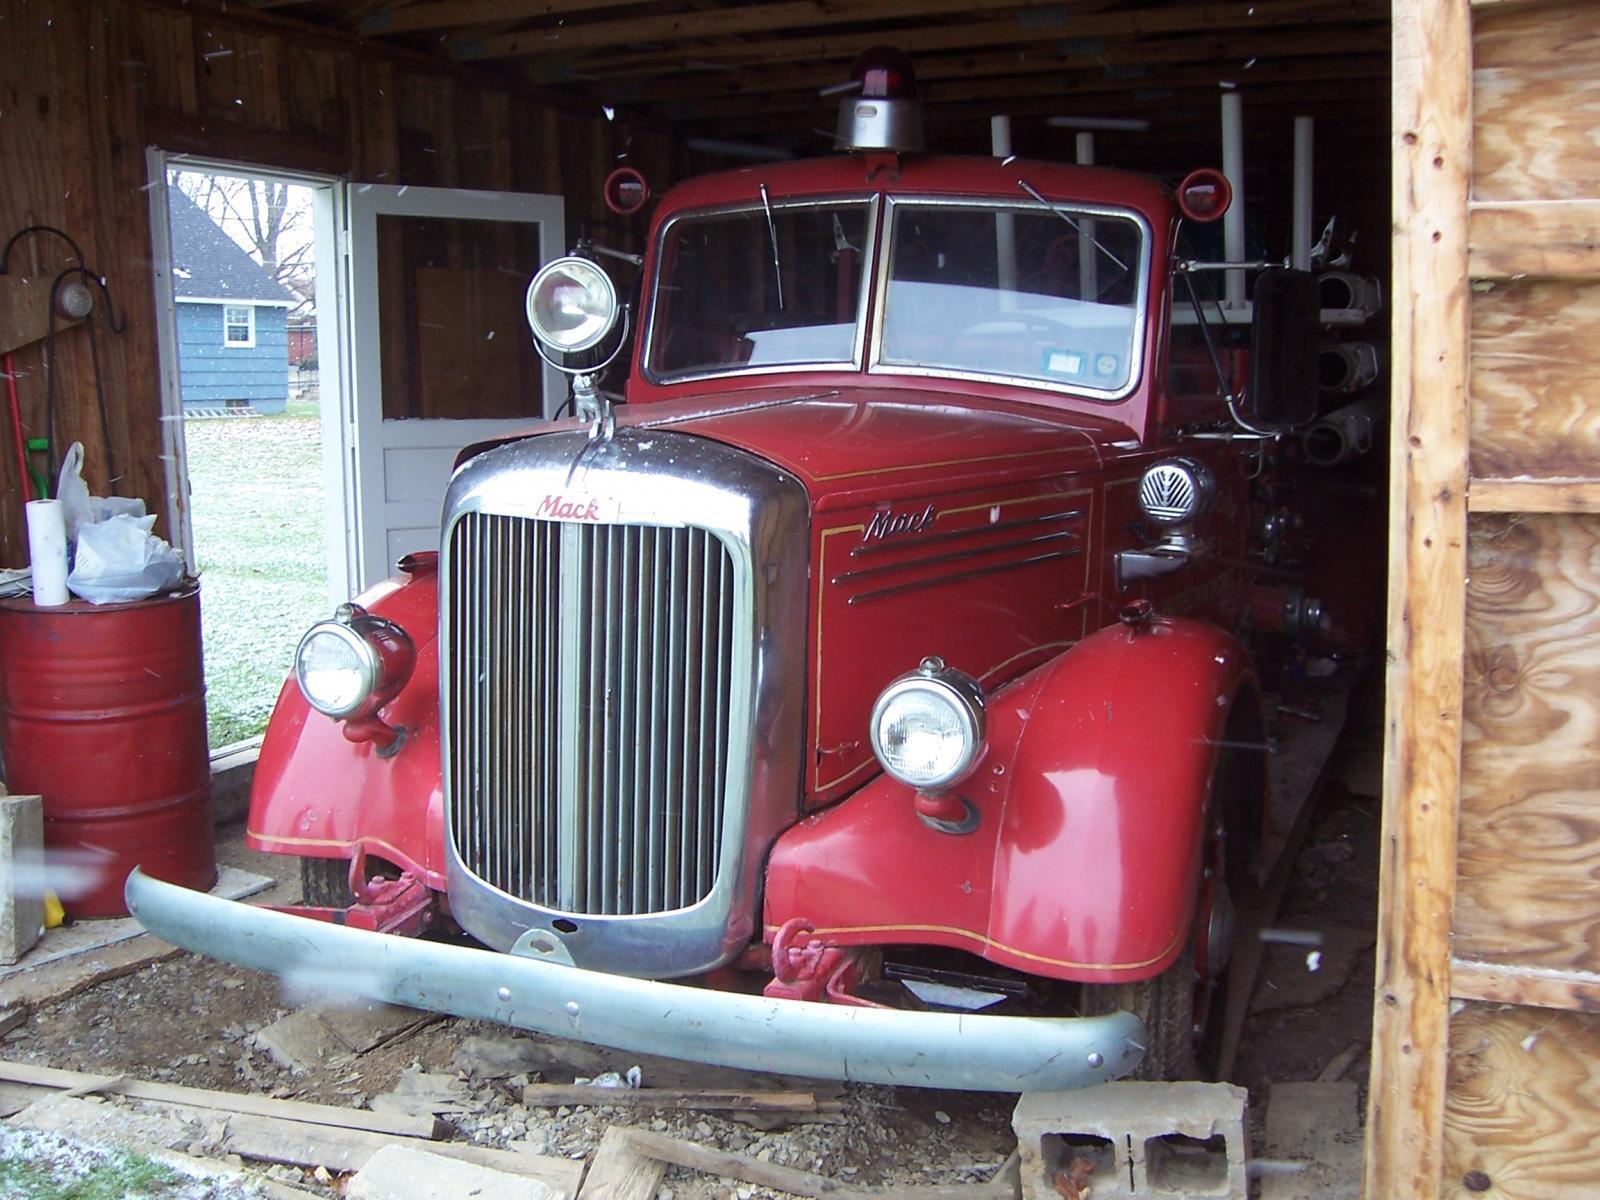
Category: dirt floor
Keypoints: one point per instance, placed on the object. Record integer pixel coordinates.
(192, 1021)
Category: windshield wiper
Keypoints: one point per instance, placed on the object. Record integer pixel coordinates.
(772, 230)
(1032, 191)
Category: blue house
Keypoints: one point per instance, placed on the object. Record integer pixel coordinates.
(233, 341)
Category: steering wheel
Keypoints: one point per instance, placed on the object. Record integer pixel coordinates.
(1031, 322)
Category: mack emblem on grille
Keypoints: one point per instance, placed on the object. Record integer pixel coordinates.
(575, 508)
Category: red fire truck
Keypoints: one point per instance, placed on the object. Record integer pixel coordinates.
(871, 690)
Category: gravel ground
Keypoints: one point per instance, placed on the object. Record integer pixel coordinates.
(257, 493)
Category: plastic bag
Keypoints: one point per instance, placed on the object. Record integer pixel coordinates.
(73, 492)
(119, 559)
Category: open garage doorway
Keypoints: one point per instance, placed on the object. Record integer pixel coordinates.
(255, 364)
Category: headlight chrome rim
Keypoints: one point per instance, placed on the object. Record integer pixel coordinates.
(964, 697)
(366, 655)
(573, 265)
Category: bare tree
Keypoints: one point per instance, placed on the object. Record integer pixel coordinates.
(271, 220)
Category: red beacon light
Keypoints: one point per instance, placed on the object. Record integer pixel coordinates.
(882, 111)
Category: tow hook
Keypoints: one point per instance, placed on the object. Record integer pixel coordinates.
(816, 971)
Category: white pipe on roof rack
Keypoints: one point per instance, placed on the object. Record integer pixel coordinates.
(1088, 261)
(1233, 219)
(1303, 132)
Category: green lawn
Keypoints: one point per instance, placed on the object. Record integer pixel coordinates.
(256, 492)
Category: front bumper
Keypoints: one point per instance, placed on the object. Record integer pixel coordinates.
(789, 1037)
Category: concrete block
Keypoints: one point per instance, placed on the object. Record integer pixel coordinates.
(21, 875)
(1168, 1140)
(401, 1173)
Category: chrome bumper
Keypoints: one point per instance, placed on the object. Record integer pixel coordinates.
(789, 1037)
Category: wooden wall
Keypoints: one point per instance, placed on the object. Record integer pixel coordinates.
(86, 85)
(1487, 1026)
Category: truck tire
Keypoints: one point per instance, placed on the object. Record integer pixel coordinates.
(1184, 1043)
(325, 882)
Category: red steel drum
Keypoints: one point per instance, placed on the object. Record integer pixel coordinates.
(102, 712)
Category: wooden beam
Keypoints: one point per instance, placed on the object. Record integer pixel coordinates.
(619, 1172)
(1533, 496)
(672, 78)
(1046, 93)
(454, 14)
(1432, 131)
(1540, 987)
(1540, 238)
(1266, 14)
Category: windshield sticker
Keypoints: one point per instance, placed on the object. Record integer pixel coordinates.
(1069, 363)
(1105, 366)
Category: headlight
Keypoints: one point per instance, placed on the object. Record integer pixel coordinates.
(927, 726)
(352, 665)
(572, 305)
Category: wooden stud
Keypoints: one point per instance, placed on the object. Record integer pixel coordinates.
(1490, 495)
(1427, 564)
(1541, 987)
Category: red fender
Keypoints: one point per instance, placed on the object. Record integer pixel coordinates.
(318, 795)
(1090, 795)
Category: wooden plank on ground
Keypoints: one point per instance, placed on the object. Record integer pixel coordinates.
(1528, 886)
(748, 1169)
(1522, 1116)
(1432, 147)
(344, 1150)
(1557, 239)
(1534, 383)
(168, 1093)
(620, 1172)
(553, 1095)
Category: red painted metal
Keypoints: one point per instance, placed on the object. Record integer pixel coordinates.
(405, 907)
(318, 795)
(102, 712)
(1085, 861)
(816, 971)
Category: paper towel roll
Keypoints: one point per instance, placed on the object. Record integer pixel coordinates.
(47, 551)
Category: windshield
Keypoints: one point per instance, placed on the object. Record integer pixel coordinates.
(737, 291)
(1015, 292)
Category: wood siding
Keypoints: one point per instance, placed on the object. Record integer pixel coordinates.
(88, 84)
(211, 373)
(1487, 1027)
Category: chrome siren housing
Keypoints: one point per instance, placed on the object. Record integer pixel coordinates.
(620, 695)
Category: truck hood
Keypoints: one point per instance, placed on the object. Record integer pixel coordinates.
(853, 441)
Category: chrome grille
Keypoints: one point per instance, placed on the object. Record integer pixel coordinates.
(589, 710)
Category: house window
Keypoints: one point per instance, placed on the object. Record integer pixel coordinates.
(239, 325)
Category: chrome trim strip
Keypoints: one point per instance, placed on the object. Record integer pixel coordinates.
(960, 1051)
(915, 584)
(678, 483)
(922, 539)
(953, 556)
(869, 255)
(885, 252)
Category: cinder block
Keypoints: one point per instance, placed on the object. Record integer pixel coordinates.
(1168, 1140)
(21, 875)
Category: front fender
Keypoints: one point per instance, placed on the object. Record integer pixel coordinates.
(319, 795)
(1090, 797)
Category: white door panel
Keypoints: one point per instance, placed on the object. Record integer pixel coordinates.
(441, 348)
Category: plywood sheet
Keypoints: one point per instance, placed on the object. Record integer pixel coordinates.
(1522, 1105)
(1536, 102)
(1535, 379)
(1528, 891)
